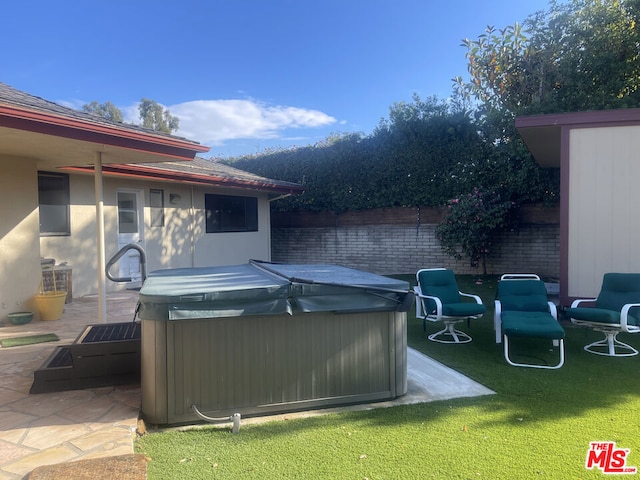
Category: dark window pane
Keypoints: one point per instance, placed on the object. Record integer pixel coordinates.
(156, 207)
(226, 213)
(53, 199)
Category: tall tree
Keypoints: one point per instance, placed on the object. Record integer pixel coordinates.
(578, 55)
(155, 117)
(106, 110)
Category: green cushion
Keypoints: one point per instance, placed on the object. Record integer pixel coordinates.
(617, 290)
(523, 296)
(466, 309)
(531, 324)
(599, 315)
(441, 284)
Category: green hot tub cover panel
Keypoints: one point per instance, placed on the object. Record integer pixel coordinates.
(261, 288)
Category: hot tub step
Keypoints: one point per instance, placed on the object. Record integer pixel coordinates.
(110, 333)
(61, 358)
(103, 355)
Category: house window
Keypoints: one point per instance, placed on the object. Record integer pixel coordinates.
(226, 213)
(156, 206)
(53, 199)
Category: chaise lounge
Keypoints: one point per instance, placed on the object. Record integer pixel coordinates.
(522, 310)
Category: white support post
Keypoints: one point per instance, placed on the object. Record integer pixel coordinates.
(100, 243)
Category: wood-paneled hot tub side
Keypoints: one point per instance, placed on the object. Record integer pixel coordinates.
(316, 343)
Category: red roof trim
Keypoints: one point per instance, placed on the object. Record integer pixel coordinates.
(134, 171)
(76, 129)
(574, 119)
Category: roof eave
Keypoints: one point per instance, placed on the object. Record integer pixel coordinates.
(157, 174)
(542, 133)
(76, 129)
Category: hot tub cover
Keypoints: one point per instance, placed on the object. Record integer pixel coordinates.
(261, 288)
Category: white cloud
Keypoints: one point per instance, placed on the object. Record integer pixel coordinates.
(213, 122)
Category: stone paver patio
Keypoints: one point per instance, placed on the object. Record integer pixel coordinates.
(58, 427)
(53, 428)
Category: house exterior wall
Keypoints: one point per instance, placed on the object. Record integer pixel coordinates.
(181, 242)
(19, 248)
(231, 248)
(603, 222)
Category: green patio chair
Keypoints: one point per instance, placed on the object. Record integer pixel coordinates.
(438, 299)
(616, 310)
(522, 310)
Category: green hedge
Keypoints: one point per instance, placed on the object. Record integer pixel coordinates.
(424, 155)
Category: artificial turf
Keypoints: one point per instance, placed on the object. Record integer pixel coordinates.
(539, 424)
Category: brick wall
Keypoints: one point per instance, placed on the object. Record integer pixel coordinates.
(392, 241)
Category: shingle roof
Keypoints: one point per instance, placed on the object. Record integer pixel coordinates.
(18, 98)
(220, 173)
(198, 170)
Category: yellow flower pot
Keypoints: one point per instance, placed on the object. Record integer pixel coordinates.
(50, 306)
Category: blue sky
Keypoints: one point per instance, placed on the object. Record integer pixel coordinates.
(244, 76)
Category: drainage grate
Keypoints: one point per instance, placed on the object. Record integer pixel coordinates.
(111, 333)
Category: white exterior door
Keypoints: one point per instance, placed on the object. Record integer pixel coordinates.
(130, 230)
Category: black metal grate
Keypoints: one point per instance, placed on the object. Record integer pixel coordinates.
(111, 333)
(61, 359)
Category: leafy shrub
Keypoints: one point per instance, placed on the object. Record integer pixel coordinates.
(473, 220)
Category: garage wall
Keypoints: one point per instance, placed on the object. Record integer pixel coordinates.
(604, 225)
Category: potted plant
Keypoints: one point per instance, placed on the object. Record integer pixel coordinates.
(50, 304)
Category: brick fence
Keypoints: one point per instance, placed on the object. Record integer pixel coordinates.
(402, 240)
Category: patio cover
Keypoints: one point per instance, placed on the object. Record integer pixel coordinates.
(56, 136)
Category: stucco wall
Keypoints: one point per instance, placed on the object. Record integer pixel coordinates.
(231, 248)
(19, 248)
(182, 242)
(393, 241)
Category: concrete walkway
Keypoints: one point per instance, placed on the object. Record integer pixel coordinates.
(52, 428)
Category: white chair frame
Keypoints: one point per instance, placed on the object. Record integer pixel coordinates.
(610, 332)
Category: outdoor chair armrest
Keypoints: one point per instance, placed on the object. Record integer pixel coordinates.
(419, 304)
(497, 321)
(438, 303)
(475, 297)
(577, 302)
(624, 314)
(417, 292)
(553, 310)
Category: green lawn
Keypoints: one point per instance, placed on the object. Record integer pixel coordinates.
(538, 425)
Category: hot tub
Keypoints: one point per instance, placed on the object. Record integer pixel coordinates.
(262, 338)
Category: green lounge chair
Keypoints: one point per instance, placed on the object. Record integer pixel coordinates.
(616, 310)
(439, 299)
(522, 310)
